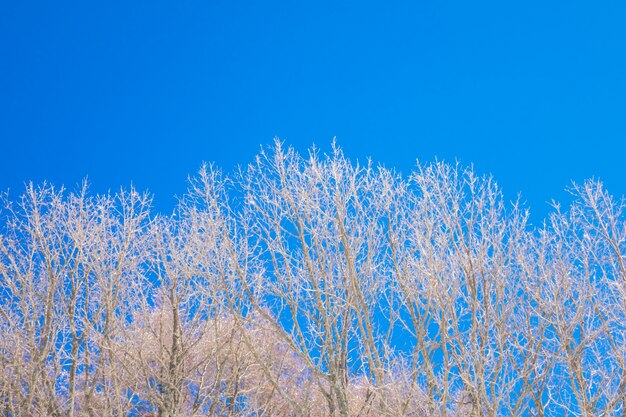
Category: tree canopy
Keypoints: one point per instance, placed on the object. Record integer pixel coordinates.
(311, 285)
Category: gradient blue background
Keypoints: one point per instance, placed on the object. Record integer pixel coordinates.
(533, 92)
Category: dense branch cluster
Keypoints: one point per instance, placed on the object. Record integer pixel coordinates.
(312, 286)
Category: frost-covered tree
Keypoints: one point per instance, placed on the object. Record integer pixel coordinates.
(310, 285)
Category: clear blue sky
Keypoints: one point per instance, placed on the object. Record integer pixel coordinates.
(533, 92)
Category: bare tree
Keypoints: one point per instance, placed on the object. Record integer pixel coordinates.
(318, 223)
(66, 262)
(313, 286)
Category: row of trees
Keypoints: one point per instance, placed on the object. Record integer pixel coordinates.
(312, 286)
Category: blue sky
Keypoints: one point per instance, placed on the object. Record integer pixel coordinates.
(533, 92)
